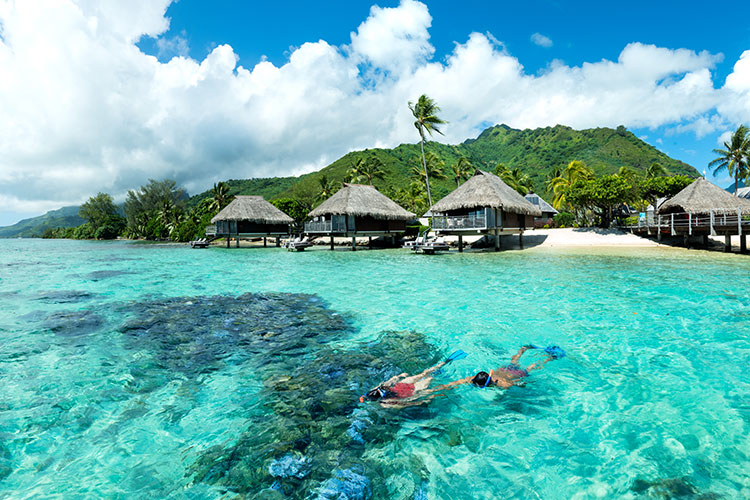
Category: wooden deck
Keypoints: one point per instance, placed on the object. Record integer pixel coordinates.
(687, 224)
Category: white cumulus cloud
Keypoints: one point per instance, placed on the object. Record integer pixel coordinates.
(83, 109)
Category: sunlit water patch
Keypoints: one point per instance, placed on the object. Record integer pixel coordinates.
(136, 370)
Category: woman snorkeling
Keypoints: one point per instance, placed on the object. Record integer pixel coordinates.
(406, 390)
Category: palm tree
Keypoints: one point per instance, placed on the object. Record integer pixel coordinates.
(462, 170)
(515, 178)
(413, 197)
(554, 174)
(575, 171)
(219, 196)
(433, 167)
(425, 112)
(327, 188)
(735, 158)
(367, 170)
(656, 169)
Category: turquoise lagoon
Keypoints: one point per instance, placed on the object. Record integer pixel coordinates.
(157, 371)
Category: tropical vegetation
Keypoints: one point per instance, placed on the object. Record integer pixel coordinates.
(426, 119)
(735, 157)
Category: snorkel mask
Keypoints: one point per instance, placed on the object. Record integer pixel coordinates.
(374, 395)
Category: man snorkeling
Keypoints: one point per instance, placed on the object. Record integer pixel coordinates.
(405, 390)
(512, 374)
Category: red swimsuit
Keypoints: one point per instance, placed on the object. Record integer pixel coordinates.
(403, 390)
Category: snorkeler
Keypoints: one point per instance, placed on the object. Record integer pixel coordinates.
(405, 390)
(512, 374)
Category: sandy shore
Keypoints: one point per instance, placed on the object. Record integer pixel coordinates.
(542, 238)
(585, 237)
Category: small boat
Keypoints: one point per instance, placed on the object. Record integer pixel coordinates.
(432, 245)
(427, 245)
(200, 243)
(298, 244)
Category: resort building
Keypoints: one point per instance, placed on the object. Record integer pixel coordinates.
(249, 217)
(358, 210)
(548, 211)
(486, 205)
(704, 209)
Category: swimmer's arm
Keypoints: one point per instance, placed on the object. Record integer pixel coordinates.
(450, 385)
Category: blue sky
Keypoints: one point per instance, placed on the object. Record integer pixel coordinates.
(242, 89)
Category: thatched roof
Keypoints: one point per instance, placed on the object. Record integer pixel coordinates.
(744, 192)
(362, 201)
(486, 190)
(701, 196)
(253, 209)
(538, 201)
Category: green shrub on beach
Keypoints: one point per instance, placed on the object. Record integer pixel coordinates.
(563, 219)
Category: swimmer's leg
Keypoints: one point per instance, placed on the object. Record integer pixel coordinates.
(539, 366)
(518, 355)
(414, 378)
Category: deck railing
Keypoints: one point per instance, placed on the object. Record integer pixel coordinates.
(211, 230)
(685, 222)
(326, 226)
(450, 223)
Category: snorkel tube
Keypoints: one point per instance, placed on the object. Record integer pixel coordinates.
(486, 382)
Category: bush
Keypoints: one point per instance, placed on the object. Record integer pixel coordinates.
(186, 230)
(546, 226)
(107, 232)
(415, 229)
(563, 219)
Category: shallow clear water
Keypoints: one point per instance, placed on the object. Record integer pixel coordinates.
(133, 370)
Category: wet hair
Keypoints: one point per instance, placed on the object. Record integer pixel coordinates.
(376, 394)
(481, 379)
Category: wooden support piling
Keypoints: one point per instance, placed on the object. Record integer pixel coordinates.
(520, 240)
(265, 245)
(278, 241)
(727, 242)
(460, 243)
(331, 242)
(705, 241)
(497, 241)
(369, 242)
(237, 244)
(658, 228)
(228, 240)
(743, 244)
(354, 243)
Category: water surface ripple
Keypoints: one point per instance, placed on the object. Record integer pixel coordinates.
(157, 371)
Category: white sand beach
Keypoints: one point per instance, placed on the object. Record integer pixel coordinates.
(583, 237)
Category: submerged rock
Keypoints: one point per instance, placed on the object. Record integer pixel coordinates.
(348, 484)
(73, 323)
(289, 466)
(320, 417)
(64, 296)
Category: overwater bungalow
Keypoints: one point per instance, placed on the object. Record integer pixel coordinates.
(249, 217)
(358, 210)
(485, 205)
(704, 209)
(548, 211)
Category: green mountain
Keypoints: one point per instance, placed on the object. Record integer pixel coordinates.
(35, 226)
(535, 152)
